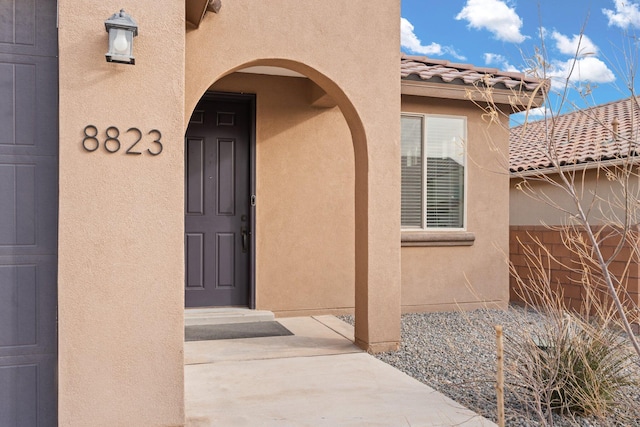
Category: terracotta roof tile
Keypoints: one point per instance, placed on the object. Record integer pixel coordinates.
(423, 68)
(579, 137)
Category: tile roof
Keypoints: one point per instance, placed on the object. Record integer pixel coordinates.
(579, 137)
(427, 69)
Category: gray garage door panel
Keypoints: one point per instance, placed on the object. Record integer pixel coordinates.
(28, 27)
(28, 341)
(28, 105)
(27, 306)
(28, 212)
(24, 385)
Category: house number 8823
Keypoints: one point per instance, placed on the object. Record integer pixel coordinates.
(112, 140)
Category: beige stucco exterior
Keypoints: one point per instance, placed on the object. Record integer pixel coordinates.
(120, 230)
(121, 227)
(305, 215)
(345, 71)
(601, 197)
(327, 179)
(305, 186)
(449, 275)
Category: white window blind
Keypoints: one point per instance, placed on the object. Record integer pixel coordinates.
(412, 181)
(433, 164)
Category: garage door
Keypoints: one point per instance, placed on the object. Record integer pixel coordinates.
(28, 212)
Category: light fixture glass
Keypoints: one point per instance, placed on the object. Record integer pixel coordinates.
(122, 29)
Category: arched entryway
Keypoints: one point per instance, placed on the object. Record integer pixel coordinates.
(362, 80)
(293, 271)
(295, 207)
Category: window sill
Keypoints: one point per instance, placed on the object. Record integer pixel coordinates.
(437, 238)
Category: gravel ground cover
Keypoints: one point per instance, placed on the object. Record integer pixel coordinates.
(455, 353)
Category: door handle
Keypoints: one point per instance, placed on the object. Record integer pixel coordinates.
(245, 235)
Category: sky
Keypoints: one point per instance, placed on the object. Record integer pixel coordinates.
(590, 42)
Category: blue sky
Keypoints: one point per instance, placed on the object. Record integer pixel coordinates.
(505, 33)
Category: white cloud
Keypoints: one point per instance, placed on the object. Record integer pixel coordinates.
(499, 61)
(412, 43)
(587, 69)
(539, 112)
(627, 14)
(579, 46)
(583, 66)
(532, 115)
(494, 16)
(409, 40)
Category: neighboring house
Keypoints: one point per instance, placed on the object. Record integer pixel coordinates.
(251, 157)
(590, 144)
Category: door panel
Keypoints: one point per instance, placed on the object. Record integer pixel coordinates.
(217, 211)
(226, 177)
(28, 212)
(195, 260)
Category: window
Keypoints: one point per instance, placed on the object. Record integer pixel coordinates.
(433, 172)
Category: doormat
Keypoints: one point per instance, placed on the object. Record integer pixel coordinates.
(232, 331)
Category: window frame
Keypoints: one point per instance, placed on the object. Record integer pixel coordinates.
(410, 233)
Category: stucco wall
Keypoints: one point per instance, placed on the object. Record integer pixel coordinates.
(121, 229)
(121, 233)
(351, 50)
(305, 215)
(305, 187)
(451, 277)
(601, 197)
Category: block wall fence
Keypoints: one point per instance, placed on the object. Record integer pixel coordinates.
(564, 269)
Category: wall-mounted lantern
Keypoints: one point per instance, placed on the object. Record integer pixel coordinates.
(122, 29)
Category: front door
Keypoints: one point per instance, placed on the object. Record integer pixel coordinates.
(217, 203)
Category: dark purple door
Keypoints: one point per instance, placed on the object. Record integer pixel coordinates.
(217, 204)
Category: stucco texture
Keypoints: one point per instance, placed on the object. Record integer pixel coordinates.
(305, 210)
(351, 51)
(601, 198)
(121, 233)
(452, 277)
(121, 228)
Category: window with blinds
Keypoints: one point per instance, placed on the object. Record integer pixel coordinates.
(433, 165)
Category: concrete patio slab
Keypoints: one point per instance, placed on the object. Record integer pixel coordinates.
(310, 337)
(316, 377)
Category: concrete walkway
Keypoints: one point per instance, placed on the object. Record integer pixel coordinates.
(316, 377)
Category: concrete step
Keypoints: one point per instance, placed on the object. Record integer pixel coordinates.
(225, 315)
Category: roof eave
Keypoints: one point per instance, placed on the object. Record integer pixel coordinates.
(574, 167)
(195, 10)
(518, 100)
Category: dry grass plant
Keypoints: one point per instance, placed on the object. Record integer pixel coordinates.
(562, 366)
(591, 220)
(574, 363)
(578, 361)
